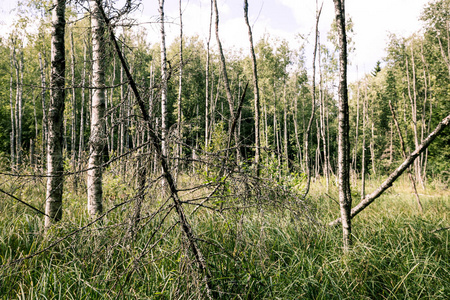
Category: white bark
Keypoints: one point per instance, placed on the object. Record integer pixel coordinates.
(53, 207)
(97, 138)
(255, 90)
(163, 82)
(345, 198)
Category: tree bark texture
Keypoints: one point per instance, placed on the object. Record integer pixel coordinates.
(180, 89)
(55, 179)
(97, 138)
(163, 82)
(42, 67)
(345, 199)
(11, 105)
(255, 90)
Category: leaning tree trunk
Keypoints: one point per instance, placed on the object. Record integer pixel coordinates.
(399, 171)
(55, 179)
(345, 198)
(97, 138)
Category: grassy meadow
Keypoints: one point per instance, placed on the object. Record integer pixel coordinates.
(254, 250)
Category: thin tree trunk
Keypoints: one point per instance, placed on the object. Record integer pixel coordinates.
(55, 179)
(11, 105)
(73, 137)
(111, 103)
(363, 155)
(19, 107)
(313, 105)
(97, 138)
(265, 125)
(207, 128)
(402, 146)
(372, 145)
(317, 157)
(355, 151)
(414, 112)
(225, 77)
(74, 104)
(345, 198)
(323, 128)
(296, 132)
(286, 135)
(163, 83)
(255, 91)
(180, 89)
(424, 156)
(83, 101)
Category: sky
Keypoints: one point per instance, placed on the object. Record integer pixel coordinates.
(284, 19)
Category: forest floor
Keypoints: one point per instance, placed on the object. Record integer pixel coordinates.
(252, 251)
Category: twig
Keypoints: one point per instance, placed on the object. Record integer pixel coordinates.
(23, 202)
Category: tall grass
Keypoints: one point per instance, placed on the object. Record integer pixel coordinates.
(258, 252)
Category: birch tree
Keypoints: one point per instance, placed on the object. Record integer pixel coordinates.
(255, 89)
(53, 206)
(163, 82)
(345, 198)
(97, 138)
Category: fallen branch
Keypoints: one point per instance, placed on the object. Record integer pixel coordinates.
(399, 171)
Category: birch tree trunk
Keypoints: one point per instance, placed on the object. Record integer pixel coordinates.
(363, 156)
(313, 107)
(180, 86)
(42, 67)
(207, 100)
(345, 198)
(413, 102)
(11, 105)
(286, 134)
(122, 128)
(255, 90)
(74, 107)
(83, 101)
(73, 136)
(55, 179)
(163, 83)
(97, 138)
(226, 80)
(402, 146)
(19, 107)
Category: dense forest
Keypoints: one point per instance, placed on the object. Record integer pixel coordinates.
(132, 168)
